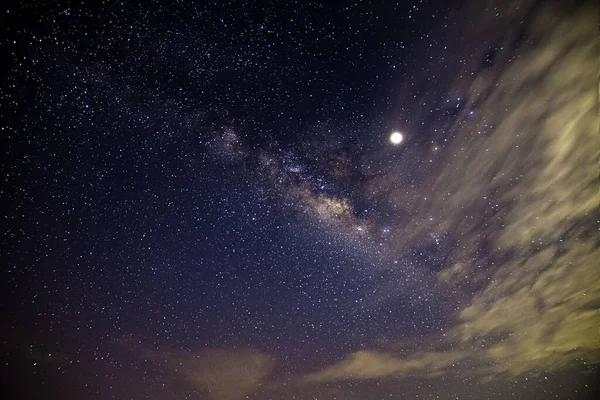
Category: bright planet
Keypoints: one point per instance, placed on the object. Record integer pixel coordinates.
(396, 138)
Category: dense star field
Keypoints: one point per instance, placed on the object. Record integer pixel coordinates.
(351, 200)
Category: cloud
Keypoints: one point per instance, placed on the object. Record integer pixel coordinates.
(372, 365)
(225, 374)
(542, 159)
(519, 189)
(546, 308)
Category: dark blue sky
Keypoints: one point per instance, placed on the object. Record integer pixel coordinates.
(200, 200)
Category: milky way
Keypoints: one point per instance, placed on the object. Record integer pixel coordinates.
(210, 201)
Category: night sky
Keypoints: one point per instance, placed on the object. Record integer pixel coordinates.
(352, 200)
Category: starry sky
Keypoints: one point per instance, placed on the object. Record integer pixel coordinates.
(202, 200)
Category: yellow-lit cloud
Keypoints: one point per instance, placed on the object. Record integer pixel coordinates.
(372, 365)
(534, 149)
(547, 307)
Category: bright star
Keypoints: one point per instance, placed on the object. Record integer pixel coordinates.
(396, 138)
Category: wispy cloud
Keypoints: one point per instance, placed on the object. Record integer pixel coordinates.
(373, 365)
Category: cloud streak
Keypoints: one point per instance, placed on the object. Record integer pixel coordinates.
(373, 365)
